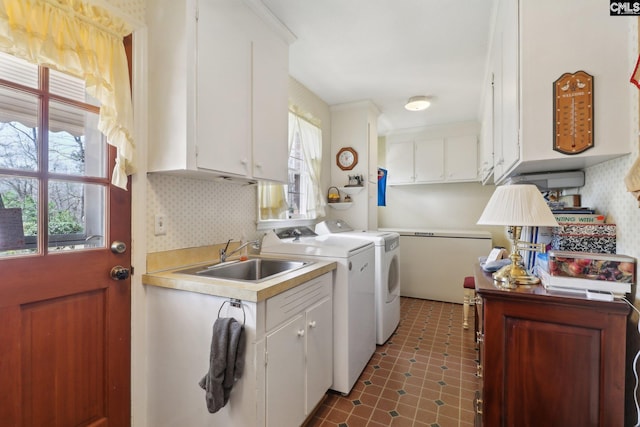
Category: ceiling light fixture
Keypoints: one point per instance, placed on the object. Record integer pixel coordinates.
(417, 103)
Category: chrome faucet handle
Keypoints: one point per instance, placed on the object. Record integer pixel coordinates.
(223, 252)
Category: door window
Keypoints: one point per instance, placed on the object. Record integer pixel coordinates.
(53, 162)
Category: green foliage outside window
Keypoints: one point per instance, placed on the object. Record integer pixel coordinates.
(60, 221)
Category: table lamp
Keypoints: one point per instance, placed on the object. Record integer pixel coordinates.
(517, 206)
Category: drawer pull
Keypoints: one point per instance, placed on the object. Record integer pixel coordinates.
(312, 324)
(301, 332)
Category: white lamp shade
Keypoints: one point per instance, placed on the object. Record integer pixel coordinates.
(517, 205)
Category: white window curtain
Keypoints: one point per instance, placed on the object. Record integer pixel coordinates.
(273, 204)
(311, 138)
(86, 41)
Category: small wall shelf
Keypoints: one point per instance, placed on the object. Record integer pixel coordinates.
(351, 190)
(340, 206)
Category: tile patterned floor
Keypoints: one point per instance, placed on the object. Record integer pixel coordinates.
(424, 375)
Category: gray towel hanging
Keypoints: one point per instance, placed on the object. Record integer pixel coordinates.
(226, 362)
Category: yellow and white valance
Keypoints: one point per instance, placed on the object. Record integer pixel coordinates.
(84, 40)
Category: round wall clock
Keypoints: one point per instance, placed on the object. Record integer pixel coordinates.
(347, 158)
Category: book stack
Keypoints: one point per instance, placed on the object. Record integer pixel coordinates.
(582, 229)
(579, 218)
(577, 215)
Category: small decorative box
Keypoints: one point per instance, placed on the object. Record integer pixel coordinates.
(596, 238)
(605, 267)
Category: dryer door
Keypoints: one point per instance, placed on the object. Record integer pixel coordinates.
(393, 279)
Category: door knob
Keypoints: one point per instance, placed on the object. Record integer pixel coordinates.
(118, 247)
(119, 273)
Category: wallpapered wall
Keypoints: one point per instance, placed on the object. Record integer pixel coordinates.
(198, 212)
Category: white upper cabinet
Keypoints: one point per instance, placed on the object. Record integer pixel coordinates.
(433, 156)
(486, 136)
(217, 90)
(400, 162)
(461, 158)
(270, 95)
(534, 43)
(428, 160)
(506, 149)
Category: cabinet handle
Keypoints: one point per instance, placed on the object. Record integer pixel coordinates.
(301, 332)
(479, 337)
(259, 165)
(312, 324)
(244, 161)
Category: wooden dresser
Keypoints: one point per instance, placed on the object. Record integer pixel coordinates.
(549, 359)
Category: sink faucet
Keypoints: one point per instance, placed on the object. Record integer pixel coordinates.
(223, 252)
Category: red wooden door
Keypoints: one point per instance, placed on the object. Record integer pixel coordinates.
(64, 322)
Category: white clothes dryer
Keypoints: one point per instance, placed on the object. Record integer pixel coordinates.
(387, 272)
(354, 332)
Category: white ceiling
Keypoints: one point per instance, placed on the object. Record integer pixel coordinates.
(386, 51)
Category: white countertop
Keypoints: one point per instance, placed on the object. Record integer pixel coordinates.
(246, 291)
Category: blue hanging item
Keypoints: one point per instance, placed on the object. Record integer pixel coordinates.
(382, 187)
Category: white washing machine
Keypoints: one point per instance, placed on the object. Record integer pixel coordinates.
(387, 272)
(354, 333)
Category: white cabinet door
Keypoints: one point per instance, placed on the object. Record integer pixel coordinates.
(429, 160)
(506, 83)
(400, 162)
(510, 120)
(285, 397)
(486, 134)
(270, 108)
(461, 158)
(319, 352)
(223, 90)
(496, 63)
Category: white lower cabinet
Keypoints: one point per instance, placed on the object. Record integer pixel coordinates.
(288, 359)
(319, 352)
(299, 352)
(286, 374)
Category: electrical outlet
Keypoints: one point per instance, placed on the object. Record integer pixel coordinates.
(160, 225)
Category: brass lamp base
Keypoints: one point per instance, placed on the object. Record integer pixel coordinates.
(507, 279)
(512, 275)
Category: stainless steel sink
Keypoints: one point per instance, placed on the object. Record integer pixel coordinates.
(251, 270)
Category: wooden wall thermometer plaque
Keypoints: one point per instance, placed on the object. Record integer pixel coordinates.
(573, 113)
